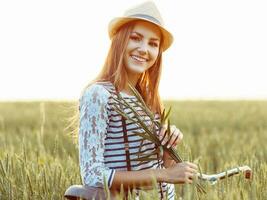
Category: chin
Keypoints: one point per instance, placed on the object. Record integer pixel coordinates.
(137, 68)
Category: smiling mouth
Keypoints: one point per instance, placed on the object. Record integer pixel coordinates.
(138, 58)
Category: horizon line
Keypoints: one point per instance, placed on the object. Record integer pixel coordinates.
(163, 99)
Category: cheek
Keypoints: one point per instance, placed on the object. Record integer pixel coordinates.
(131, 45)
(154, 54)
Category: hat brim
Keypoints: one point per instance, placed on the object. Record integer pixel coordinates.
(117, 22)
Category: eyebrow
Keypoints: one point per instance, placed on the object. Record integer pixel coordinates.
(156, 39)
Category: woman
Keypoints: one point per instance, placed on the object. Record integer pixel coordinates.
(107, 144)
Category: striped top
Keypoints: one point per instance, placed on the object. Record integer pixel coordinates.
(101, 141)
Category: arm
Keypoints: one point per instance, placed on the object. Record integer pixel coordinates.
(92, 133)
(175, 138)
(167, 160)
(178, 173)
(137, 179)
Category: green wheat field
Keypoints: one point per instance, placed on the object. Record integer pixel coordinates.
(39, 157)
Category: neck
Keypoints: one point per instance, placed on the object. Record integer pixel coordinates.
(132, 79)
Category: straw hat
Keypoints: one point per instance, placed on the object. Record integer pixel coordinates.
(146, 11)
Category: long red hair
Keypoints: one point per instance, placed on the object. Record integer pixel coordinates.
(115, 72)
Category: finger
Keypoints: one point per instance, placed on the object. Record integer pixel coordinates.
(178, 139)
(162, 133)
(164, 126)
(189, 169)
(171, 140)
(192, 175)
(192, 165)
(189, 181)
(181, 136)
(189, 178)
(192, 170)
(164, 142)
(164, 139)
(174, 138)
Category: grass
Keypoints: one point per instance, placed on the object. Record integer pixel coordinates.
(39, 160)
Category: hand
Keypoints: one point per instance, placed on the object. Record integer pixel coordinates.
(176, 136)
(181, 173)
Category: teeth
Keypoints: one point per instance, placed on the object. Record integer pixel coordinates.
(139, 59)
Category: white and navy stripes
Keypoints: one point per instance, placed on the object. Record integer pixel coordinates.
(101, 141)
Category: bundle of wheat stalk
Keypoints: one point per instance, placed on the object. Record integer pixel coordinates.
(149, 130)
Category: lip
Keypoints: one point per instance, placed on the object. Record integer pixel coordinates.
(136, 58)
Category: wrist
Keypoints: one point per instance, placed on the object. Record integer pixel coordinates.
(168, 160)
(167, 156)
(161, 175)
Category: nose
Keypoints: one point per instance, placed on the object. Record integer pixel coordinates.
(143, 48)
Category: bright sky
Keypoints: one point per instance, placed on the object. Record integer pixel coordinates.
(51, 49)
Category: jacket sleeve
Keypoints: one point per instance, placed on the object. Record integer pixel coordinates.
(92, 133)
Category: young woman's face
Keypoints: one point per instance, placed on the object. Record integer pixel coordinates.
(143, 47)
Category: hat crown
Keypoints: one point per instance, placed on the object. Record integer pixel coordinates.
(147, 10)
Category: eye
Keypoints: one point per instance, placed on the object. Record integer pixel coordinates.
(135, 38)
(154, 44)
